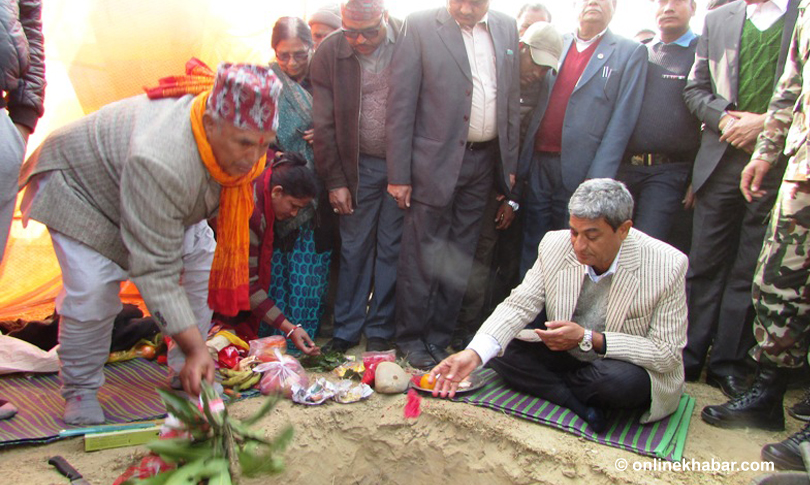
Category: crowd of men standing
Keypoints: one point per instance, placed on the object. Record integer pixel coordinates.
(450, 143)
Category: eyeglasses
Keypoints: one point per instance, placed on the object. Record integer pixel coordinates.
(300, 56)
(366, 33)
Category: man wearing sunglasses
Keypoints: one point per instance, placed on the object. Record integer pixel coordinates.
(351, 76)
(452, 126)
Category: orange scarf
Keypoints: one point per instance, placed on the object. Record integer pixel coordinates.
(228, 291)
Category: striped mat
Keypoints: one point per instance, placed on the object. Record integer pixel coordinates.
(128, 395)
(663, 439)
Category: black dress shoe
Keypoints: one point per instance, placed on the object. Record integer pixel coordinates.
(417, 355)
(337, 345)
(595, 419)
(438, 353)
(786, 455)
(732, 386)
(801, 410)
(378, 344)
(759, 407)
(460, 342)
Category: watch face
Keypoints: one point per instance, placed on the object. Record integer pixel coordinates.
(586, 343)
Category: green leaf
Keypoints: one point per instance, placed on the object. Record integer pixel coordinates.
(256, 459)
(283, 439)
(181, 449)
(181, 408)
(267, 406)
(215, 418)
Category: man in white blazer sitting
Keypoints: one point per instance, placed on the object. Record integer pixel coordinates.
(616, 317)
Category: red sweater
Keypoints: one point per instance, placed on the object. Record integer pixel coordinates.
(549, 135)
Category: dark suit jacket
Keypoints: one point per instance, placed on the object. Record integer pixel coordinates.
(601, 113)
(336, 79)
(430, 101)
(712, 85)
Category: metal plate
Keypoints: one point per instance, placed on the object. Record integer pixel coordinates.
(475, 378)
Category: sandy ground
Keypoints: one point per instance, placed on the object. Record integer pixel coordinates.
(371, 443)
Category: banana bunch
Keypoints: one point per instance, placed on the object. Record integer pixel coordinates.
(240, 379)
(222, 446)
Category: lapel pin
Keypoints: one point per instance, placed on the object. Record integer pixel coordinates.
(509, 52)
(600, 56)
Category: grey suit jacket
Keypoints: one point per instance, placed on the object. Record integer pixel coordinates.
(601, 113)
(430, 100)
(646, 314)
(126, 181)
(712, 85)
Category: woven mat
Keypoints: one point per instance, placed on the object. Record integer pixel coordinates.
(663, 439)
(128, 394)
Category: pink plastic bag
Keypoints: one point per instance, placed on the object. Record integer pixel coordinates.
(371, 360)
(280, 376)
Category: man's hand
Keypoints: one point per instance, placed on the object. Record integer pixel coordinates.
(689, 199)
(341, 201)
(742, 129)
(303, 343)
(401, 194)
(561, 335)
(452, 370)
(199, 364)
(309, 136)
(751, 179)
(505, 216)
(25, 132)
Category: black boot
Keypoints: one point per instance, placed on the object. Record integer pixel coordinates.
(786, 454)
(759, 407)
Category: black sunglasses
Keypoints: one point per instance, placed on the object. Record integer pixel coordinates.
(366, 33)
(300, 56)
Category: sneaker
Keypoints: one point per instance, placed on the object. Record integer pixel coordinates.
(801, 410)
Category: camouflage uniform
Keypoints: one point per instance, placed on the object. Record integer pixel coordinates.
(781, 290)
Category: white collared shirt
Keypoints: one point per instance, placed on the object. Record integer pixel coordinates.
(481, 55)
(611, 270)
(584, 44)
(763, 15)
(487, 347)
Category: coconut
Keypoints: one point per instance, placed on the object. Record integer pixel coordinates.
(389, 378)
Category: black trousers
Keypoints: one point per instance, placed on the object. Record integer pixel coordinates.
(558, 377)
(726, 240)
(436, 255)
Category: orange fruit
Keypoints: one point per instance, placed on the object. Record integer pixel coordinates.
(146, 351)
(427, 382)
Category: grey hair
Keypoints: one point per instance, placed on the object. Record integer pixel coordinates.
(606, 198)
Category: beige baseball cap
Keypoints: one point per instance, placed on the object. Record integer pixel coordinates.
(545, 42)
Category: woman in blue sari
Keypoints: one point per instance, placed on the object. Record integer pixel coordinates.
(302, 245)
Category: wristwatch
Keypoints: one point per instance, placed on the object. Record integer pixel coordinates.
(514, 205)
(586, 343)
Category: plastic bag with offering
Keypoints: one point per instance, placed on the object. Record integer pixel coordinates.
(347, 391)
(372, 359)
(229, 357)
(265, 349)
(314, 394)
(148, 349)
(281, 374)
